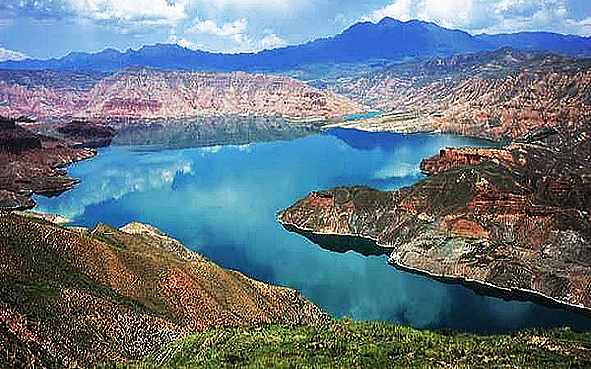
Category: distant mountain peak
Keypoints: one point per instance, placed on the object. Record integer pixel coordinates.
(110, 50)
(387, 21)
(389, 39)
(162, 46)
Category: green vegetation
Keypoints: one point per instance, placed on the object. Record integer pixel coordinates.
(345, 343)
(68, 298)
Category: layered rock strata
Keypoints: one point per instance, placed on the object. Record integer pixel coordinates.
(498, 96)
(152, 93)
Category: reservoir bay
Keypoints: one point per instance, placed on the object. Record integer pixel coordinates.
(221, 201)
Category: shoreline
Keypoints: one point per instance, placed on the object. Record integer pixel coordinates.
(359, 126)
(510, 293)
(472, 284)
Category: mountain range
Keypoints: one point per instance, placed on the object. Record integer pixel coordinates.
(496, 95)
(389, 39)
(152, 93)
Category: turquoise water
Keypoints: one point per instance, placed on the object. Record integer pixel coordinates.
(221, 201)
(370, 114)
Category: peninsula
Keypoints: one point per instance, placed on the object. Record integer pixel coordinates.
(515, 219)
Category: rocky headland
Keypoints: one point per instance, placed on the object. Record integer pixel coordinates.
(75, 297)
(515, 219)
(32, 163)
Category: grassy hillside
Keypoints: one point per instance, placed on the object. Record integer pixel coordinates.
(73, 297)
(344, 344)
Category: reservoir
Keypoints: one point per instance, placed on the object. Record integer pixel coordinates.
(221, 201)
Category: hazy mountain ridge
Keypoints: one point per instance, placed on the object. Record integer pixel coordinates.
(388, 39)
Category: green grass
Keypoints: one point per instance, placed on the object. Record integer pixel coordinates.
(345, 344)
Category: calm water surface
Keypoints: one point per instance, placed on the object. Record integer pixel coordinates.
(221, 202)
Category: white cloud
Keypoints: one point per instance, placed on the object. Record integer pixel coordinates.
(527, 15)
(451, 13)
(234, 30)
(264, 6)
(226, 29)
(186, 43)
(454, 13)
(10, 55)
(115, 183)
(477, 16)
(400, 9)
(397, 170)
(582, 27)
(513, 6)
(271, 41)
(137, 10)
(183, 42)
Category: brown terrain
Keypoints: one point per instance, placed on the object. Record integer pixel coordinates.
(77, 297)
(82, 133)
(497, 96)
(77, 133)
(32, 163)
(515, 219)
(151, 93)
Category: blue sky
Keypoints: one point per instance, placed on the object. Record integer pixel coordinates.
(53, 28)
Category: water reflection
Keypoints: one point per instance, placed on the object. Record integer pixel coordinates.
(362, 140)
(221, 201)
(341, 243)
(209, 131)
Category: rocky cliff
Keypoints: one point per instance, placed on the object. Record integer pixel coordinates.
(515, 219)
(77, 297)
(499, 96)
(32, 163)
(152, 93)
